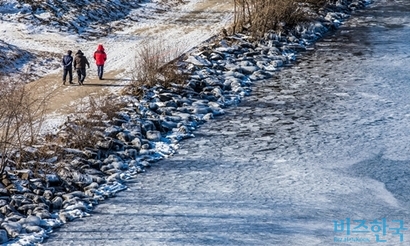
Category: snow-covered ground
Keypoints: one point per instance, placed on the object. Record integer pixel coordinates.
(260, 157)
(180, 28)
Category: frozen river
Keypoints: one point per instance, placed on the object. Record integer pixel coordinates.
(325, 143)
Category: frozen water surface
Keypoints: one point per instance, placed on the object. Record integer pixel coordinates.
(327, 139)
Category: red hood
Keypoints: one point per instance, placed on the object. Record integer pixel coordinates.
(100, 47)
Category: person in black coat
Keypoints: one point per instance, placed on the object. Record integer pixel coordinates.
(80, 63)
(68, 67)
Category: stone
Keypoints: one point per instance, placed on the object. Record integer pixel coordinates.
(117, 122)
(31, 220)
(64, 217)
(248, 70)
(168, 125)
(136, 142)
(57, 202)
(27, 207)
(99, 180)
(105, 144)
(93, 185)
(24, 174)
(33, 228)
(201, 110)
(119, 165)
(53, 179)
(42, 213)
(146, 126)
(124, 136)
(13, 228)
(73, 194)
(131, 153)
(198, 61)
(38, 191)
(4, 192)
(208, 116)
(3, 202)
(153, 135)
(48, 194)
(3, 236)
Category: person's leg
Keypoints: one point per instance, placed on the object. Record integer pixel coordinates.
(100, 71)
(83, 71)
(70, 76)
(79, 76)
(64, 76)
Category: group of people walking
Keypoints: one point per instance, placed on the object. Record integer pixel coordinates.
(80, 62)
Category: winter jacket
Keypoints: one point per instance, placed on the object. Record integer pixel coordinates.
(67, 62)
(100, 56)
(80, 61)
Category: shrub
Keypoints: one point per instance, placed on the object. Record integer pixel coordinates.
(155, 64)
(21, 117)
(259, 16)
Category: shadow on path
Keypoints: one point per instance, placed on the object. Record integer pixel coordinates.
(107, 85)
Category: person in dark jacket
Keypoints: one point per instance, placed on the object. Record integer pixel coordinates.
(80, 63)
(68, 67)
(100, 57)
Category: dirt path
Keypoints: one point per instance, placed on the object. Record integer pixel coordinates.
(63, 98)
(183, 28)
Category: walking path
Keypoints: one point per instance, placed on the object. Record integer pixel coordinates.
(323, 141)
(181, 29)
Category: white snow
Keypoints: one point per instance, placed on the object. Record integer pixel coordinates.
(164, 28)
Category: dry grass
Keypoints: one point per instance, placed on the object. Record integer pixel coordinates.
(155, 65)
(80, 133)
(21, 117)
(259, 16)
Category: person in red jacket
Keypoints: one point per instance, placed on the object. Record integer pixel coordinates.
(100, 57)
